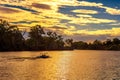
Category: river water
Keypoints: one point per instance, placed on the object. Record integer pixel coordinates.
(63, 65)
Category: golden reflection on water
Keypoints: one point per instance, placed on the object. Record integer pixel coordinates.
(63, 65)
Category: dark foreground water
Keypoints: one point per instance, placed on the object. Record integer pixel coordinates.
(63, 65)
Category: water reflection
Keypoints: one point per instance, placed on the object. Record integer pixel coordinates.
(64, 65)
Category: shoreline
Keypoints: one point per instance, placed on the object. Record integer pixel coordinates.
(56, 50)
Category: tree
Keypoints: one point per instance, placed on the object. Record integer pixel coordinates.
(116, 41)
(96, 45)
(68, 43)
(35, 40)
(80, 45)
(10, 37)
(54, 41)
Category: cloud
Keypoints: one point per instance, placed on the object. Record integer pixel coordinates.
(83, 15)
(2, 17)
(90, 20)
(83, 11)
(112, 32)
(91, 4)
(112, 11)
(46, 13)
(55, 4)
(88, 38)
(115, 24)
(41, 6)
(8, 10)
(109, 10)
(19, 7)
(25, 22)
(58, 27)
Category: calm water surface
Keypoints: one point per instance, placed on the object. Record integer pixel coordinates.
(63, 65)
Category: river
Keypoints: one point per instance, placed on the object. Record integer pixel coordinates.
(62, 65)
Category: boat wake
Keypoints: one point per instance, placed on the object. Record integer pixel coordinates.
(16, 58)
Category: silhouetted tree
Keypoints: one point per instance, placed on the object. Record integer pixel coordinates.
(36, 41)
(10, 37)
(54, 41)
(68, 43)
(96, 45)
(116, 41)
(80, 45)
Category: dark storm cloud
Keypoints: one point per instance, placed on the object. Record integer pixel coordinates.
(41, 6)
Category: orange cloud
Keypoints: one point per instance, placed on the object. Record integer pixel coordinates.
(111, 32)
(8, 10)
(41, 6)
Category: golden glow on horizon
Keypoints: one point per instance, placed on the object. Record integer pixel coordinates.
(112, 32)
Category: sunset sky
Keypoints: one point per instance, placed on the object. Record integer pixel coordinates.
(85, 20)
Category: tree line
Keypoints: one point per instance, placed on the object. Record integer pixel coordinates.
(108, 44)
(12, 39)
